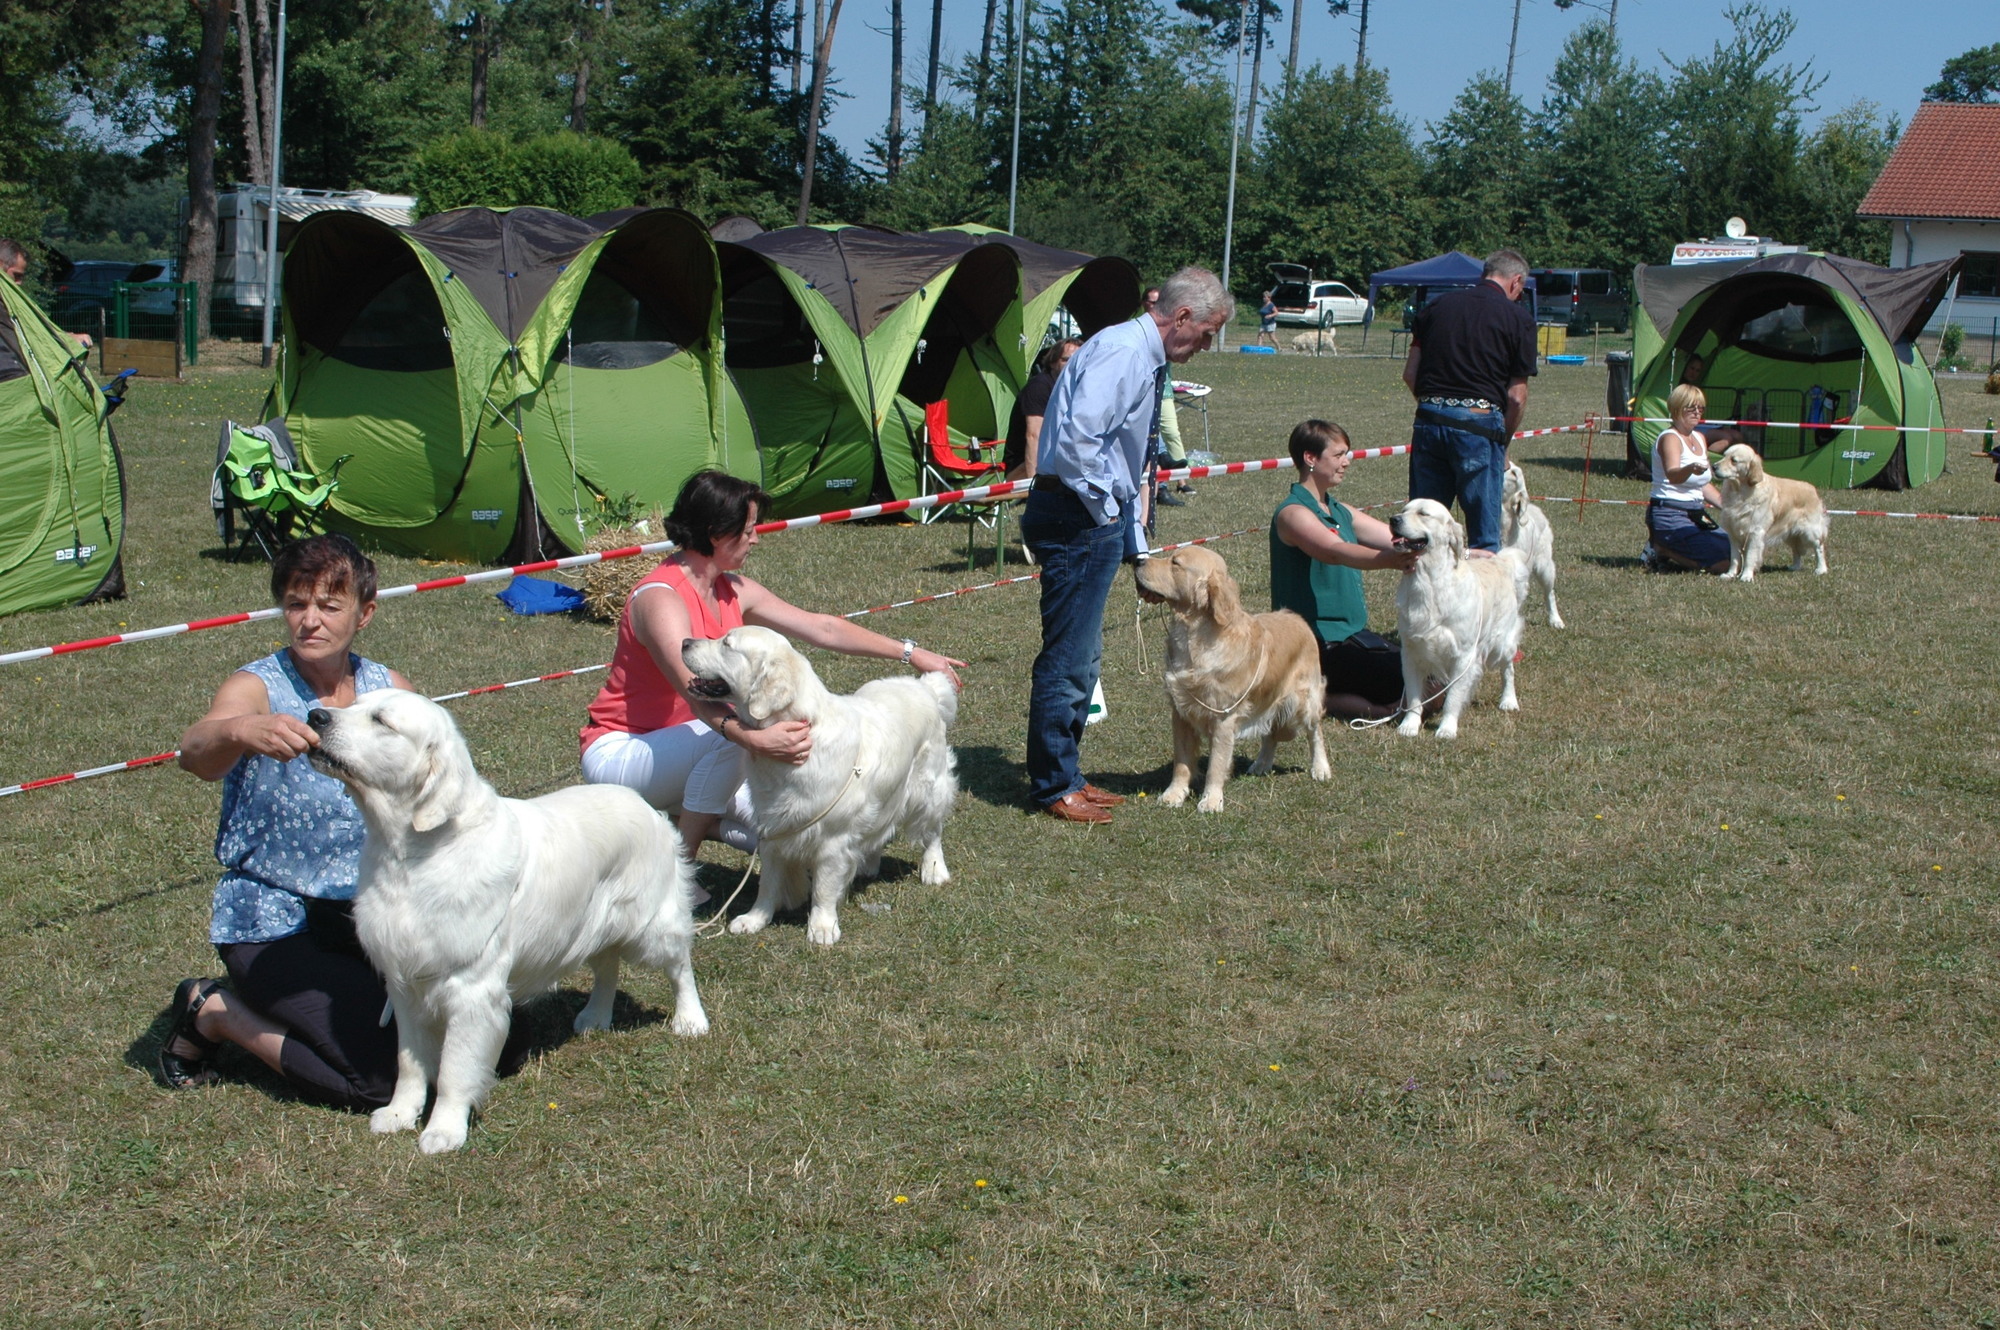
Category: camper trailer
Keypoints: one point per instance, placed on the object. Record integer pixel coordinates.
(243, 227)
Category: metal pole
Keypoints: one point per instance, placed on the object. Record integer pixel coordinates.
(1235, 134)
(1014, 153)
(271, 223)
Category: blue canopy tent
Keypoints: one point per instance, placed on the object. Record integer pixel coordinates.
(1452, 269)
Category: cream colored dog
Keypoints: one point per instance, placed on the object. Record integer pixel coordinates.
(1231, 675)
(1758, 508)
(470, 902)
(1526, 528)
(880, 768)
(1457, 616)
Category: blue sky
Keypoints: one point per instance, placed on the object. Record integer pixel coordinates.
(1883, 52)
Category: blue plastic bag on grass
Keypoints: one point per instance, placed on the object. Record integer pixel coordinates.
(532, 595)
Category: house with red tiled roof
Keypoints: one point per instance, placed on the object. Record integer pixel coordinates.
(1940, 193)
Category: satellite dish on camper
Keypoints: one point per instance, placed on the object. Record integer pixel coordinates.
(1736, 228)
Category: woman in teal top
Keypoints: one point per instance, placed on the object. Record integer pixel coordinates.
(1319, 548)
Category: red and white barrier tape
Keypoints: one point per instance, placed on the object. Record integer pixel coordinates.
(1810, 424)
(994, 491)
(1831, 512)
(158, 758)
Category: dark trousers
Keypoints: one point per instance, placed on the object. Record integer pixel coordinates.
(1079, 561)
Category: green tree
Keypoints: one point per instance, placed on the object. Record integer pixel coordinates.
(1972, 77)
(476, 167)
(1836, 167)
(573, 173)
(1339, 185)
(1607, 180)
(1480, 169)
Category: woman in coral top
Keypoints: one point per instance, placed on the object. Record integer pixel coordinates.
(687, 754)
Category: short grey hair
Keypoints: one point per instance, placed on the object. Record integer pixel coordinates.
(1200, 292)
(11, 252)
(1504, 263)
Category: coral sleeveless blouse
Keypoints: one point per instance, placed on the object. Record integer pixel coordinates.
(636, 697)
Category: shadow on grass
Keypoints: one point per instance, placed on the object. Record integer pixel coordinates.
(1607, 463)
(68, 917)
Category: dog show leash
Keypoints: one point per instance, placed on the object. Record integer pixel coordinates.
(1263, 658)
(719, 921)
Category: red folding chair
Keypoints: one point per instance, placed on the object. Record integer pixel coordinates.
(946, 468)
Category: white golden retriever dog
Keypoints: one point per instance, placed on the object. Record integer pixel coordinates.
(1758, 508)
(880, 768)
(1526, 528)
(469, 902)
(1457, 616)
(1231, 675)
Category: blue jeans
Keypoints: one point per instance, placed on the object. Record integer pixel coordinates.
(1448, 463)
(1673, 525)
(1079, 561)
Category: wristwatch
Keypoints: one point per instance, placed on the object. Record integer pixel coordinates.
(909, 649)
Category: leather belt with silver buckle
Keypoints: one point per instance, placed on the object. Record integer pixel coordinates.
(1476, 403)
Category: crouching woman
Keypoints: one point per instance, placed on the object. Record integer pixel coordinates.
(302, 997)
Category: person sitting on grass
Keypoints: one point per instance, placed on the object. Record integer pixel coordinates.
(690, 754)
(1679, 532)
(1318, 548)
(303, 998)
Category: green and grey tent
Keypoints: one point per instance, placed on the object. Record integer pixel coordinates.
(840, 336)
(62, 490)
(499, 377)
(1812, 338)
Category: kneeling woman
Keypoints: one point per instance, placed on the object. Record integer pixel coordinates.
(1679, 532)
(647, 731)
(1319, 548)
(303, 998)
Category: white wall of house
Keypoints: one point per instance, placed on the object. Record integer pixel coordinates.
(1914, 242)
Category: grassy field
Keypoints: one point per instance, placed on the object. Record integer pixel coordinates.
(1667, 1002)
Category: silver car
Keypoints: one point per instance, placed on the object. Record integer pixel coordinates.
(1304, 302)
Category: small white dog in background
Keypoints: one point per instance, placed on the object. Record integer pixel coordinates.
(1526, 528)
(470, 902)
(1457, 616)
(880, 768)
(1758, 508)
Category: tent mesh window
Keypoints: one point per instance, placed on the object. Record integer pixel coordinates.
(613, 329)
(1797, 331)
(767, 329)
(401, 328)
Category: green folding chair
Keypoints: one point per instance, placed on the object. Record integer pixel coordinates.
(258, 480)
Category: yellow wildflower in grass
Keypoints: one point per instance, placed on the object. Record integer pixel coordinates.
(1277, 1066)
(979, 1182)
(902, 1200)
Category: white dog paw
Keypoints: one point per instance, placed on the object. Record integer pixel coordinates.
(588, 1020)
(752, 922)
(1412, 726)
(1210, 803)
(1261, 768)
(690, 1026)
(1510, 704)
(1447, 729)
(439, 1138)
(1172, 798)
(391, 1119)
(823, 931)
(934, 874)
(1321, 770)
(1556, 620)
(870, 869)
(1726, 577)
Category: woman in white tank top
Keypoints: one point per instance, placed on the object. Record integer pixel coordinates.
(1678, 533)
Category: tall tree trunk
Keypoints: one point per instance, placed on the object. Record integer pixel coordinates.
(821, 52)
(894, 158)
(767, 43)
(1513, 40)
(931, 75)
(587, 34)
(267, 92)
(798, 44)
(1361, 46)
(198, 253)
(246, 61)
(983, 75)
(1256, 75)
(1292, 57)
(482, 53)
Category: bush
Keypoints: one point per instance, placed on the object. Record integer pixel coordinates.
(571, 173)
(1950, 343)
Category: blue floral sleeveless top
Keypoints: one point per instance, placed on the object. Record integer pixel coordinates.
(287, 830)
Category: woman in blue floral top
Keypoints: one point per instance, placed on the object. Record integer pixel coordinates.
(303, 998)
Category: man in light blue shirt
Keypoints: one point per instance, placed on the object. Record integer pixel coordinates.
(1086, 515)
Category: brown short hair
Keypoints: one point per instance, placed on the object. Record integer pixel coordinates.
(1310, 438)
(711, 504)
(333, 562)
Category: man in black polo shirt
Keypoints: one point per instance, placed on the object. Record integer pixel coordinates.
(1472, 353)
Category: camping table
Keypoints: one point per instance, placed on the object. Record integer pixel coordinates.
(1195, 395)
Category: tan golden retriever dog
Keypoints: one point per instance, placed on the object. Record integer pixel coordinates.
(1231, 675)
(1457, 616)
(1758, 508)
(1526, 528)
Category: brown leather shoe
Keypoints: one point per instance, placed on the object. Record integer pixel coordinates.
(1073, 807)
(1102, 798)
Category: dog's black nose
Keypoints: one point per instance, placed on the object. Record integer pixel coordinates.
(687, 642)
(318, 717)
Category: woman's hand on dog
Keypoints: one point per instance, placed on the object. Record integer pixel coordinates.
(277, 736)
(786, 741)
(930, 662)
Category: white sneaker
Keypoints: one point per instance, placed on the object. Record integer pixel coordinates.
(1649, 558)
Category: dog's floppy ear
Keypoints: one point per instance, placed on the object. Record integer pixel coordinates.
(1454, 539)
(1192, 589)
(1224, 600)
(771, 690)
(443, 793)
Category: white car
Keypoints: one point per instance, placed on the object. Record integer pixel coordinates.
(1305, 303)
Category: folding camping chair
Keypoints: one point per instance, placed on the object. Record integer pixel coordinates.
(945, 468)
(258, 477)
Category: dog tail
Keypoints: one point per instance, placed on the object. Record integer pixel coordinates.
(947, 696)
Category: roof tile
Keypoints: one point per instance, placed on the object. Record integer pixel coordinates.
(1947, 164)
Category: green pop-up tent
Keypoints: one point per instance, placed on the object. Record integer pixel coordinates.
(840, 336)
(62, 491)
(1813, 338)
(497, 376)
